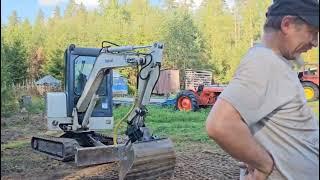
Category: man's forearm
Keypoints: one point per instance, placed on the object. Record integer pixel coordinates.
(225, 126)
(239, 143)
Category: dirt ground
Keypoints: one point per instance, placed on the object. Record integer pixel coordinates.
(195, 161)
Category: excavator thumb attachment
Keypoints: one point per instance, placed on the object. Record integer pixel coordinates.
(148, 160)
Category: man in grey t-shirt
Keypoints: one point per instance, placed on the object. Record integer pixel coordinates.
(262, 117)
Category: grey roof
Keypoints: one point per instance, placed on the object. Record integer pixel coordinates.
(48, 80)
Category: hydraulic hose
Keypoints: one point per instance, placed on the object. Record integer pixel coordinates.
(115, 131)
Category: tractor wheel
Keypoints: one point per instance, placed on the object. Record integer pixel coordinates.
(186, 101)
(311, 91)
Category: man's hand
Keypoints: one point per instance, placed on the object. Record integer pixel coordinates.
(255, 174)
(225, 125)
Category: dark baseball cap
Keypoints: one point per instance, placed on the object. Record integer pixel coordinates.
(308, 10)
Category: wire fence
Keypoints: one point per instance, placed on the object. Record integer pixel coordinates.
(32, 89)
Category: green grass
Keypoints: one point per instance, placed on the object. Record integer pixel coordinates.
(15, 144)
(181, 127)
(37, 105)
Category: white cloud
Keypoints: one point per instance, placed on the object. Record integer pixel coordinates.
(195, 4)
(230, 3)
(90, 4)
(51, 2)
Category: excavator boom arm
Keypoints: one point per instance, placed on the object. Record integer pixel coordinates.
(116, 57)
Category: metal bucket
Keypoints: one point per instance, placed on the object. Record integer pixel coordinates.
(148, 160)
(88, 156)
(139, 160)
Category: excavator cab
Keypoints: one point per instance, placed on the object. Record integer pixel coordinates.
(78, 65)
(85, 108)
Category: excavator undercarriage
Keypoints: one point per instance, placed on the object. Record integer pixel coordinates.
(64, 147)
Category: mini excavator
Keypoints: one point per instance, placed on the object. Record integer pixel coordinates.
(85, 108)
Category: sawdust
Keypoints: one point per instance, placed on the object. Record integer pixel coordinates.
(95, 171)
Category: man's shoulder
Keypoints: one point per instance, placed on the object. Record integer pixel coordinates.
(259, 52)
(259, 56)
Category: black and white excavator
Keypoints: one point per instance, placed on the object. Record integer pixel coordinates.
(85, 108)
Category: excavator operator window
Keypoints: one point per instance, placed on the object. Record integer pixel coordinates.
(83, 67)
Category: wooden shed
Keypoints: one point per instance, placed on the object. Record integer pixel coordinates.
(169, 82)
(48, 84)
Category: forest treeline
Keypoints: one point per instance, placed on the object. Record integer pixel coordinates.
(212, 37)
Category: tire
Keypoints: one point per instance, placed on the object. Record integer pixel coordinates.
(311, 91)
(186, 101)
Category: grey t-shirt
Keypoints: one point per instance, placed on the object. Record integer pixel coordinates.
(270, 98)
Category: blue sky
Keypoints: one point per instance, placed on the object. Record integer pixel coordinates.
(26, 9)
(29, 8)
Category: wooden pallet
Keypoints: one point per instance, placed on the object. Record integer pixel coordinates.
(193, 78)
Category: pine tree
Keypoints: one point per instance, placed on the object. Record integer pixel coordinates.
(216, 24)
(8, 101)
(184, 45)
(55, 66)
(16, 57)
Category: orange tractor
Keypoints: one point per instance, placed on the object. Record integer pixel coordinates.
(204, 96)
(200, 97)
(309, 77)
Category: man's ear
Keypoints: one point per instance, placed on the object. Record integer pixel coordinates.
(286, 24)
